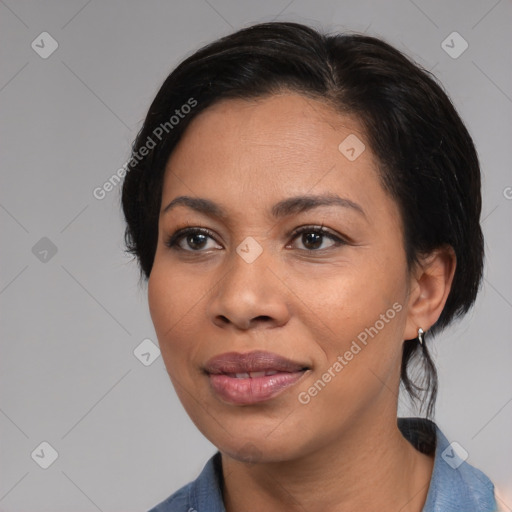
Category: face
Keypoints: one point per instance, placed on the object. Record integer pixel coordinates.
(280, 312)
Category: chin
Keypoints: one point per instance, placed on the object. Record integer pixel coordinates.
(259, 451)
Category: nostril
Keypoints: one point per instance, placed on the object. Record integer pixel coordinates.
(262, 317)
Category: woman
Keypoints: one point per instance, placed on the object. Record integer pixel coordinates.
(306, 209)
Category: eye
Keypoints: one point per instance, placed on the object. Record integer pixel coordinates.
(313, 237)
(195, 238)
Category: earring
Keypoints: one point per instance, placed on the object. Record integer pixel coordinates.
(421, 335)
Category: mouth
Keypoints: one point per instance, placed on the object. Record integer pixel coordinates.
(254, 377)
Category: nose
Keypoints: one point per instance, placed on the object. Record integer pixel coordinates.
(249, 295)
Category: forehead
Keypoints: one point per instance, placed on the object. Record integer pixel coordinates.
(280, 126)
(258, 151)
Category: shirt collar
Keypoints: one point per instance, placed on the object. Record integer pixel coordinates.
(455, 485)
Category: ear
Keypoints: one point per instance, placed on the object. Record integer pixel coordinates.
(430, 285)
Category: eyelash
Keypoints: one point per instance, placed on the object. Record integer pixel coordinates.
(173, 240)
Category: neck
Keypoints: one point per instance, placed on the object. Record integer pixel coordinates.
(371, 467)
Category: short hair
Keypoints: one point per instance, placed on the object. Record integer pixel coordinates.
(427, 159)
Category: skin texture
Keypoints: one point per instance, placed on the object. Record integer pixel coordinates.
(343, 449)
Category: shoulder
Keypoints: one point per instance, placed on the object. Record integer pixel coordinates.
(204, 493)
(177, 502)
(455, 484)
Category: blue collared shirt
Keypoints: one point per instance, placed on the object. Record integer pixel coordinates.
(455, 486)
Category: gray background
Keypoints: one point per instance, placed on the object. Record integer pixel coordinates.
(70, 321)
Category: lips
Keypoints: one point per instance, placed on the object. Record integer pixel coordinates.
(253, 377)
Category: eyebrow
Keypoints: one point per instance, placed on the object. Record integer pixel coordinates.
(284, 208)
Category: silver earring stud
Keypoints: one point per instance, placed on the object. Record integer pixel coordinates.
(421, 334)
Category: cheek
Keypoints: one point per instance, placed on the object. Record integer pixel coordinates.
(364, 310)
(351, 298)
(173, 306)
(172, 303)
(160, 299)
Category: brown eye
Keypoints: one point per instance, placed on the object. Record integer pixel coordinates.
(313, 237)
(312, 240)
(194, 238)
